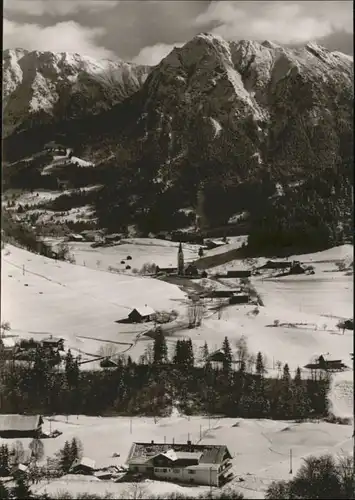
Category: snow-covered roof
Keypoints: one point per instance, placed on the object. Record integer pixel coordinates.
(86, 462)
(144, 310)
(16, 422)
(182, 455)
(52, 339)
(77, 236)
(8, 342)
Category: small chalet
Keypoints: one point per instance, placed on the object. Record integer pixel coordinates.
(211, 244)
(297, 269)
(141, 314)
(166, 270)
(197, 464)
(108, 363)
(76, 237)
(238, 274)
(239, 298)
(84, 466)
(7, 343)
(19, 471)
(226, 293)
(20, 426)
(191, 270)
(53, 342)
(276, 265)
(110, 238)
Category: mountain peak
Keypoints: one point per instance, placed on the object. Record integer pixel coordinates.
(63, 84)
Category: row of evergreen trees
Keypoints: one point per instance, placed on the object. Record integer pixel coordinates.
(154, 384)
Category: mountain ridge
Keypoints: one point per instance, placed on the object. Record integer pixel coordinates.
(229, 120)
(52, 85)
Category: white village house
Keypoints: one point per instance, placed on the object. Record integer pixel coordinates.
(197, 464)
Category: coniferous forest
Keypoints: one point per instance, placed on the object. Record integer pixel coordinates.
(155, 384)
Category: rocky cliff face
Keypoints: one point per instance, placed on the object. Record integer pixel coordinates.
(45, 86)
(269, 105)
(230, 120)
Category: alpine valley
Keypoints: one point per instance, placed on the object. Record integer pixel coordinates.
(220, 138)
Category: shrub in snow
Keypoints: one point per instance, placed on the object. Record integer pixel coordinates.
(318, 477)
(112, 269)
(341, 265)
(148, 268)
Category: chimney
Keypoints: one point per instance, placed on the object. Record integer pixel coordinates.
(152, 441)
(189, 442)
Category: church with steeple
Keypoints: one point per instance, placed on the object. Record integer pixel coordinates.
(181, 265)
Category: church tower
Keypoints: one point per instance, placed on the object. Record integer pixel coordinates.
(180, 261)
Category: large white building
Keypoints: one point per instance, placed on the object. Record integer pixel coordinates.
(197, 464)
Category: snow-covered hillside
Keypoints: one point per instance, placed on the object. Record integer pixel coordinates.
(72, 301)
(307, 308)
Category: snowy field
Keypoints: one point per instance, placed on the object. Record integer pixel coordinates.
(82, 304)
(49, 297)
(142, 250)
(74, 301)
(260, 448)
(322, 261)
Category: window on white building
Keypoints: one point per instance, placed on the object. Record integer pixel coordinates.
(176, 471)
(192, 472)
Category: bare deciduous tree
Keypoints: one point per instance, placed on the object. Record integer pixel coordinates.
(195, 313)
(37, 449)
(162, 317)
(17, 452)
(148, 356)
(136, 492)
(148, 268)
(108, 350)
(250, 362)
(242, 349)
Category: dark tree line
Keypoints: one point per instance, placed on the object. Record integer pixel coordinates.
(312, 216)
(152, 386)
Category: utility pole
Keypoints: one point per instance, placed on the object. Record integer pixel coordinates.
(211, 482)
(290, 461)
(23, 269)
(352, 355)
(130, 425)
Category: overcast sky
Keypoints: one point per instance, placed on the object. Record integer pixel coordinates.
(146, 31)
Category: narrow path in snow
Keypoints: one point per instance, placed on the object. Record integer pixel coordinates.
(101, 340)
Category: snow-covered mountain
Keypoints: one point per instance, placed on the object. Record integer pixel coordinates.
(42, 86)
(250, 94)
(221, 121)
